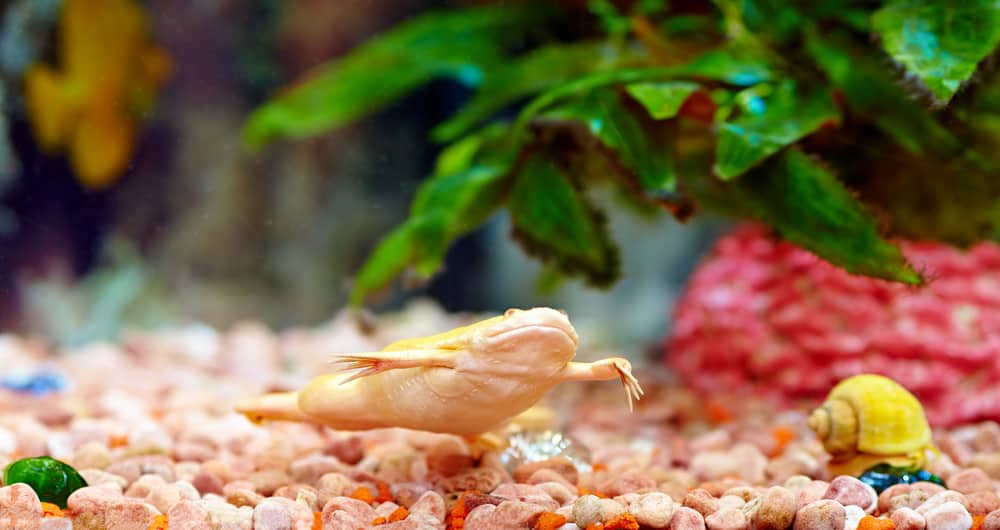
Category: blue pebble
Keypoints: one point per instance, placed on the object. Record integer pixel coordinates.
(37, 384)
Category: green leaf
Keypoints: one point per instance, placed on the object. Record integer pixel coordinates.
(808, 206)
(386, 67)
(941, 41)
(622, 135)
(788, 115)
(662, 100)
(448, 206)
(467, 188)
(732, 64)
(872, 95)
(390, 258)
(534, 72)
(554, 221)
(613, 22)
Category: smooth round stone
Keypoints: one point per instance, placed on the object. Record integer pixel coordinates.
(824, 514)
(948, 516)
(777, 509)
(851, 491)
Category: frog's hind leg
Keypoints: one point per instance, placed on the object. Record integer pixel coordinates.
(366, 364)
(276, 406)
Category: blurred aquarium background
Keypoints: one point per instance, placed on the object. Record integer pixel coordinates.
(197, 228)
(166, 162)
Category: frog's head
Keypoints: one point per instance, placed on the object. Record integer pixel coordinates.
(531, 337)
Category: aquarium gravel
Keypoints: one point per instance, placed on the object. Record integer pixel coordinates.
(148, 424)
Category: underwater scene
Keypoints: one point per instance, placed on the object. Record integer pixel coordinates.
(499, 265)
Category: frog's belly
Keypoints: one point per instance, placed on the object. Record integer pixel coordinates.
(443, 400)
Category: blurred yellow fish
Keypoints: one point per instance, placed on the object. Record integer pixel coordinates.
(110, 73)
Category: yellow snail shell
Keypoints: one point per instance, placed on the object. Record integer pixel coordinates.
(868, 419)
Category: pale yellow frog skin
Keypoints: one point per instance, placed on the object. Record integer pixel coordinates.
(467, 381)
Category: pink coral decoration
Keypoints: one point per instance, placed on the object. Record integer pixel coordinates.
(766, 316)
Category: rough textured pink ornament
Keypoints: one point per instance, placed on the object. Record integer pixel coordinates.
(767, 316)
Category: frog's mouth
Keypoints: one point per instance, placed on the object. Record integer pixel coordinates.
(568, 333)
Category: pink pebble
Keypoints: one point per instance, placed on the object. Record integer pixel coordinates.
(928, 487)
(701, 501)
(56, 523)
(812, 492)
(357, 509)
(970, 480)
(430, 503)
(850, 491)
(186, 515)
(941, 498)
(310, 468)
(824, 514)
(948, 516)
(982, 502)
(480, 517)
(20, 508)
(685, 518)
(130, 515)
(890, 492)
(341, 520)
(777, 509)
(727, 519)
(992, 521)
(558, 492)
(517, 514)
(271, 515)
(908, 519)
(206, 482)
(132, 468)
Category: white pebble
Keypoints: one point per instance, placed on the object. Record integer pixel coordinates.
(588, 510)
(8, 443)
(854, 515)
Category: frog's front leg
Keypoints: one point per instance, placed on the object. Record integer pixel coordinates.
(604, 370)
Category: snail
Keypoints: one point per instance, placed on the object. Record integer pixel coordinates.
(869, 420)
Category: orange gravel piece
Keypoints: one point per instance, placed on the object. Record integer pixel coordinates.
(51, 510)
(399, 514)
(378, 521)
(977, 522)
(119, 440)
(456, 518)
(363, 494)
(159, 523)
(875, 523)
(384, 493)
(625, 521)
(317, 521)
(718, 412)
(581, 491)
(549, 521)
(782, 435)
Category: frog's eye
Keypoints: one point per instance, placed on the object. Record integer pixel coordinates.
(510, 312)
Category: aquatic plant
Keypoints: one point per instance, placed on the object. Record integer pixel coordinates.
(788, 113)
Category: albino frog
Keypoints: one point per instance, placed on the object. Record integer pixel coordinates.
(467, 381)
